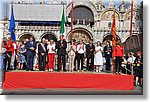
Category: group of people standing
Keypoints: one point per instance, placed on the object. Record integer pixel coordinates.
(32, 55)
(41, 56)
(134, 66)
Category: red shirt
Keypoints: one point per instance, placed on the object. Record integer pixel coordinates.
(119, 51)
(9, 47)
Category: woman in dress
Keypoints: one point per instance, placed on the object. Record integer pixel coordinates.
(98, 59)
(51, 55)
(21, 55)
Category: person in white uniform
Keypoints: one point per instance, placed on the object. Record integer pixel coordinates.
(98, 59)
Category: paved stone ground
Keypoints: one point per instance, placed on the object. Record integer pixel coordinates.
(137, 91)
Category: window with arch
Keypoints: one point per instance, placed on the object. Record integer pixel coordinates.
(136, 16)
(83, 15)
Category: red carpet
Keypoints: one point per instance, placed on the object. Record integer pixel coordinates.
(30, 80)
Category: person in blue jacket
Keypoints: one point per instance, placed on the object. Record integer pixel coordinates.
(30, 53)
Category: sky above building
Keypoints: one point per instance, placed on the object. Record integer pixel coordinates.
(4, 4)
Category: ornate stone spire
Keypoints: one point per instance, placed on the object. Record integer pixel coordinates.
(97, 1)
(111, 4)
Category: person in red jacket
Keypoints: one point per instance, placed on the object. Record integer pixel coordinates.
(118, 56)
(9, 51)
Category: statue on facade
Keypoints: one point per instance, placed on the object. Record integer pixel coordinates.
(42, 1)
(122, 7)
(111, 4)
(54, 1)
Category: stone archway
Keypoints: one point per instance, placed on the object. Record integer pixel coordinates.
(109, 38)
(107, 14)
(133, 44)
(25, 36)
(84, 3)
(49, 36)
(80, 34)
(138, 15)
(82, 16)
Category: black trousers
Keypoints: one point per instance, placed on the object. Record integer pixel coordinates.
(7, 60)
(90, 62)
(118, 62)
(129, 68)
(80, 58)
(42, 62)
(75, 60)
(108, 64)
(61, 58)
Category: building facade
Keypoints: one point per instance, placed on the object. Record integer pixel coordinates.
(92, 20)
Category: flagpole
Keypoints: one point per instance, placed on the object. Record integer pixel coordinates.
(12, 3)
(113, 40)
(72, 19)
(131, 19)
(63, 12)
(131, 28)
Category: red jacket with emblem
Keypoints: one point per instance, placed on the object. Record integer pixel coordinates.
(9, 47)
(119, 51)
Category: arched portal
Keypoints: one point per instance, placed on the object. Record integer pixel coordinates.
(109, 37)
(49, 36)
(83, 15)
(132, 44)
(80, 34)
(24, 37)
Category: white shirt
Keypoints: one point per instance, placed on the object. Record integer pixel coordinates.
(50, 47)
(71, 50)
(81, 48)
(36, 49)
(15, 46)
(98, 48)
(131, 59)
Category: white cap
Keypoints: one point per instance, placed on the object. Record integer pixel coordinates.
(27, 40)
(2, 51)
(8, 36)
(43, 39)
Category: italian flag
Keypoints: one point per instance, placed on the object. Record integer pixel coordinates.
(62, 30)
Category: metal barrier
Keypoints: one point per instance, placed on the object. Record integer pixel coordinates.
(131, 71)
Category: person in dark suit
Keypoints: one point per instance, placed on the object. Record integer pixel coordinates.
(90, 49)
(42, 54)
(61, 47)
(30, 53)
(108, 55)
